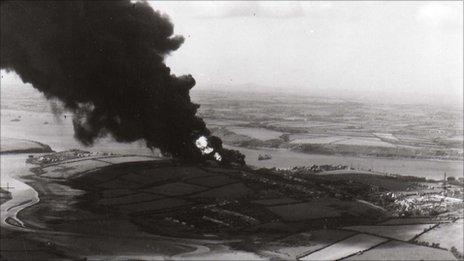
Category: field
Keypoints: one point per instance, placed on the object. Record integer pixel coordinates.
(396, 250)
(405, 221)
(175, 189)
(400, 232)
(128, 199)
(381, 181)
(393, 135)
(343, 140)
(156, 205)
(237, 190)
(235, 211)
(72, 168)
(447, 235)
(214, 181)
(349, 246)
(257, 133)
(422, 126)
(301, 211)
(115, 193)
(275, 201)
(301, 244)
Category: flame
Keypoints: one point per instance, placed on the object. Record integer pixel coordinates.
(202, 144)
(217, 156)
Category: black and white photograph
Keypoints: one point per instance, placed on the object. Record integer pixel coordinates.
(231, 130)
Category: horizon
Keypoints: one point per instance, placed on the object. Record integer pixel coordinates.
(406, 52)
(374, 98)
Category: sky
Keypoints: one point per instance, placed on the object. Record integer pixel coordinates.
(383, 50)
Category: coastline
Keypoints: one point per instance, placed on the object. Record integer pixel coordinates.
(59, 217)
(284, 159)
(21, 146)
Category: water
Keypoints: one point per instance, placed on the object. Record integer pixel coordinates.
(26, 114)
(13, 167)
(281, 158)
(58, 132)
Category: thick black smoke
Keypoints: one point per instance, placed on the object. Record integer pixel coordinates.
(105, 61)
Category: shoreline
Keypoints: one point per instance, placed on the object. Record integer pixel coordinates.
(11, 146)
(347, 155)
(285, 159)
(23, 195)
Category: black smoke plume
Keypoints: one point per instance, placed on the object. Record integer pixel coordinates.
(105, 61)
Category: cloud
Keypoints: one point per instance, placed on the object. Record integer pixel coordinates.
(267, 9)
(438, 14)
(250, 9)
(239, 9)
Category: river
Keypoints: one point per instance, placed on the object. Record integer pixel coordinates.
(13, 167)
(282, 158)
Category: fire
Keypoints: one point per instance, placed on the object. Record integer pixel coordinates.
(202, 144)
(217, 156)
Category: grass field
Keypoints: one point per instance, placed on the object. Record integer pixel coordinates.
(396, 250)
(317, 140)
(447, 235)
(175, 189)
(389, 184)
(257, 133)
(400, 232)
(306, 210)
(128, 199)
(232, 191)
(67, 170)
(173, 173)
(411, 221)
(300, 244)
(156, 205)
(386, 136)
(370, 142)
(213, 181)
(119, 184)
(342, 140)
(113, 193)
(322, 208)
(349, 246)
(275, 201)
